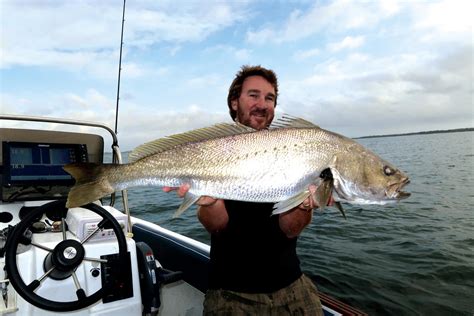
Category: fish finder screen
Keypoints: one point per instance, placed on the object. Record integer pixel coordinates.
(39, 163)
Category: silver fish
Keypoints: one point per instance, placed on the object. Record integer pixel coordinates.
(232, 161)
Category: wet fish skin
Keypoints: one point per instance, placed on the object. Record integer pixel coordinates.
(231, 161)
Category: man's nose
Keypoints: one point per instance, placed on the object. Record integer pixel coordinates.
(261, 102)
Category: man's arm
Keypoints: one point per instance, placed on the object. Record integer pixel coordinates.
(213, 215)
(295, 220)
(211, 212)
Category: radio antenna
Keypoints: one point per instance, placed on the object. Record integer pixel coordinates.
(119, 70)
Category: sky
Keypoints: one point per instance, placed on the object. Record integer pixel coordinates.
(353, 67)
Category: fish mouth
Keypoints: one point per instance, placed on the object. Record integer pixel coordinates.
(403, 195)
(396, 190)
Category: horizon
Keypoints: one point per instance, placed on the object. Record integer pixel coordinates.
(437, 131)
(371, 68)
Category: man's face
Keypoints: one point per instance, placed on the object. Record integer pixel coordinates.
(256, 105)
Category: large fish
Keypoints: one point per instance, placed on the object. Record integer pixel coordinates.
(232, 161)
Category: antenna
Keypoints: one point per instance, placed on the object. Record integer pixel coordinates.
(119, 70)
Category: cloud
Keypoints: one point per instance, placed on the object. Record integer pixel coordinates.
(406, 92)
(150, 125)
(335, 17)
(137, 123)
(92, 103)
(243, 54)
(239, 54)
(86, 35)
(91, 106)
(204, 81)
(446, 17)
(348, 42)
(305, 54)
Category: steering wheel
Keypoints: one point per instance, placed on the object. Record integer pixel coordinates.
(61, 262)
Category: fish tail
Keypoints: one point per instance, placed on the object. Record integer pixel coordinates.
(91, 183)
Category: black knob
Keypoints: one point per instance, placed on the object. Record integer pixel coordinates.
(95, 272)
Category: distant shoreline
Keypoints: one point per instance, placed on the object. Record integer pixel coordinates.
(457, 130)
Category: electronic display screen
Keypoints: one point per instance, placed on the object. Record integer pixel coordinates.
(40, 163)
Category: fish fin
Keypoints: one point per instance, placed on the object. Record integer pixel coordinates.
(339, 207)
(91, 184)
(323, 193)
(189, 199)
(288, 121)
(163, 144)
(290, 203)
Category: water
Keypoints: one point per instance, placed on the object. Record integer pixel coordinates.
(413, 258)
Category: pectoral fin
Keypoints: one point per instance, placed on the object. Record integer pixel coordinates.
(290, 203)
(323, 193)
(339, 207)
(189, 199)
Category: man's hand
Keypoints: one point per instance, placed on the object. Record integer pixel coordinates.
(294, 221)
(309, 203)
(183, 189)
(211, 212)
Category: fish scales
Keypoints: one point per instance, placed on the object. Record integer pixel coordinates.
(264, 167)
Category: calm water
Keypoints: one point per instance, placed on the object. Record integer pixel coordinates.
(413, 258)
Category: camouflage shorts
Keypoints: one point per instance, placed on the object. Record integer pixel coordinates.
(299, 298)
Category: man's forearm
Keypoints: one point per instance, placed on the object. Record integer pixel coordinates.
(213, 217)
(294, 221)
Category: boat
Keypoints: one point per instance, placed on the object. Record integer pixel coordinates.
(94, 259)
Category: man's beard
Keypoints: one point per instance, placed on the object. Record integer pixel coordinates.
(256, 113)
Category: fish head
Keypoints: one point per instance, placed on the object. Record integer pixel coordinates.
(362, 177)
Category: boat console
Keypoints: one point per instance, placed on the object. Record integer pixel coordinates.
(54, 259)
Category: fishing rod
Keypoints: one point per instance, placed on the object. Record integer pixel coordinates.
(116, 156)
(119, 69)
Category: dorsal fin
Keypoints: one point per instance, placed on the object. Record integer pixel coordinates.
(288, 121)
(206, 133)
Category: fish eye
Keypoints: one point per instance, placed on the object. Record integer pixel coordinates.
(388, 171)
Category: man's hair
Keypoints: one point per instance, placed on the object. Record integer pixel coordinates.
(246, 71)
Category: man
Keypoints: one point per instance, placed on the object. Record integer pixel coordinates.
(254, 266)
